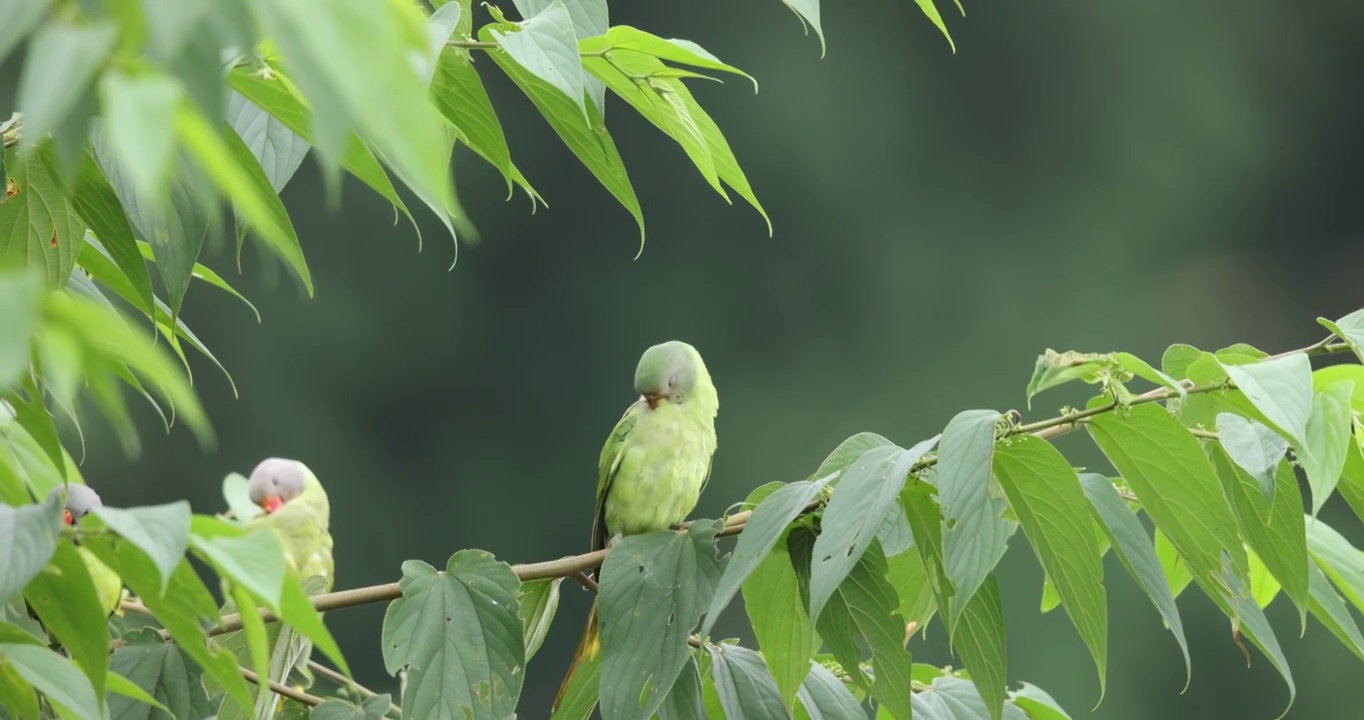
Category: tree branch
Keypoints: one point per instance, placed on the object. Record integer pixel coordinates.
(284, 690)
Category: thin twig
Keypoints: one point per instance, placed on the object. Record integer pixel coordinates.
(284, 690)
(346, 682)
(474, 44)
(585, 581)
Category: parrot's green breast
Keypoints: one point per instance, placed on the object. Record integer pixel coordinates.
(108, 585)
(664, 462)
(302, 527)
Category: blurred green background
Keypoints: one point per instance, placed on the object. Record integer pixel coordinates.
(1114, 176)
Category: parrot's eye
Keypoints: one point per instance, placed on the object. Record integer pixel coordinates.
(274, 481)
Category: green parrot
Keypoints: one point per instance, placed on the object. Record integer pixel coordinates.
(298, 512)
(656, 460)
(80, 500)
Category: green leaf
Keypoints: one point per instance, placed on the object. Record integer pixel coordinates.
(1175, 483)
(744, 686)
(205, 274)
(1054, 369)
(1348, 371)
(547, 48)
(271, 93)
(37, 225)
(279, 150)
(459, 636)
(58, 678)
(684, 701)
(1327, 439)
(913, 586)
(139, 114)
(1279, 388)
(1235, 600)
(624, 37)
(62, 60)
(259, 645)
(231, 166)
(787, 638)
(538, 601)
(953, 698)
(98, 205)
(1142, 369)
(865, 605)
(160, 531)
(808, 12)
(981, 642)
(765, 527)
(586, 136)
(64, 597)
(1037, 703)
(864, 494)
(1275, 532)
(1341, 561)
(298, 612)
(119, 685)
(31, 532)
(1330, 610)
(163, 671)
(1176, 571)
(16, 694)
(654, 588)
(21, 298)
(1257, 449)
(580, 698)
(1177, 359)
(236, 491)
(21, 16)
(1349, 328)
(824, 697)
(1045, 494)
(458, 92)
(590, 17)
(848, 452)
(975, 535)
(252, 558)
(925, 518)
(185, 609)
(1135, 550)
(931, 12)
(373, 708)
(34, 417)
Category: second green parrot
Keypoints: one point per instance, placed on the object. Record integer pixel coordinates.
(80, 500)
(656, 460)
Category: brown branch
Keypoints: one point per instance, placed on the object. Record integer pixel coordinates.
(586, 581)
(284, 690)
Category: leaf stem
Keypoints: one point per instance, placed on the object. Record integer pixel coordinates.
(346, 682)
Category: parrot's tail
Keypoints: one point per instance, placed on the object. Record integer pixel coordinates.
(588, 647)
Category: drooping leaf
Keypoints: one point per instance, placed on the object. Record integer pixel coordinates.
(458, 635)
(1045, 494)
(1234, 598)
(1177, 573)
(1328, 608)
(20, 300)
(38, 228)
(848, 452)
(31, 532)
(1349, 328)
(98, 205)
(975, 535)
(537, 600)
(1279, 388)
(762, 531)
(953, 698)
(372, 708)
(160, 531)
(917, 498)
(787, 638)
(980, 640)
(742, 683)
(590, 17)
(910, 579)
(1138, 555)
(16, 694)
(1327, 440)
(580, 697)
(1037, 703)
(65, 599)
(63, 58)
(545, 45)
(139, 116)
(864, 494)
(1341, 561)
(21, 16)
(684, 701)
(58, 678)
(251, 558)
(654, 588)
(808, 12)
(1254, 447)
(824, 697)
(162, 670)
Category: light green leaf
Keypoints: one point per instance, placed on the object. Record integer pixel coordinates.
(20, 299)
(848, 452)
(1232, 596)
(1341, 561)
(1263, 587)
(1037, 703)
(867, 490)
(742, 683)
(279, 150)
(537, 600)
(21, 16)
(458, 635)
(913, 586)
(925, 518)
(139, 115)
(580, 697)
(825, 697)
(787, 638)
(1279, 388)
(1256, 448)
(808, 12)
(160, 531)
(953, 698)
(765, 527)
(654, 588)
(58, 678)
(931, 12)
(64, 597)
(1327, 439)
(298, 612)
(624, 37)
(1349, 328)
(458, 92)
(236, 492)
(31, 532)
(1054, 369)
(16, 694)
(1177, 359)
(251, 558)
(1135, 550)
(975, 535)
(1142, 369)
(1345, 371)
(547, 48)
(980, 640)
(1330, 610)
(1045, 494)
(62, 60)
(590, 17)
(1176, 571)
(37, 226)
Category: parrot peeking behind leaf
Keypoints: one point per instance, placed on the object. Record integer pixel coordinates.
(656, 460)
(80, 500)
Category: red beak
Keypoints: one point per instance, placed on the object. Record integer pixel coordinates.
(271, 504)
(66, 517)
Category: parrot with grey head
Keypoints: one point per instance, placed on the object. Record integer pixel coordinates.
(80, 500)
(297, 510)
(656, 460)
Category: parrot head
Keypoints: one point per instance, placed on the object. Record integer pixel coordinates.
(276, 481)
(668, 372)
(80, 500)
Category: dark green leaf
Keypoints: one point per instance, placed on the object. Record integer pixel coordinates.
(31, 532)
(160, 531)
(742, 683)
(825, 697)
(765, 527)
(139, 117)
(1045, 494)
(121, 686)
(58, 678)
(975, 535)
(654, 588)
(64, 597)
(864, 494)
(580, 698)
(849, 451)
(787, 638)
(98, 205)
(34, 417)
(37, 226)
(459, 636)
(684, 701)
(538, 600)
(20, 299)
(62, 60)
(1135, 550)
(165, 672)
(373, 708)
(980, 640)
(921, 507)
(458, 92)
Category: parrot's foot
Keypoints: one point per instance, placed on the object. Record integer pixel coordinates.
(675, 527)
